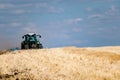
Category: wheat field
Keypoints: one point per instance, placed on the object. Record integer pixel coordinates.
(67, 63)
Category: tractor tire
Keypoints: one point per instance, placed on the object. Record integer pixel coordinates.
(22, 46)
(39, 46)
(26, 46)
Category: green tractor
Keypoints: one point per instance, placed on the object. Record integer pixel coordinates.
(31, 41)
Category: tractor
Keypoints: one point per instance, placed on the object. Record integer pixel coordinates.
(31, 41)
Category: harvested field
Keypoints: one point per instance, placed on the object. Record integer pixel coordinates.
(68, 63)
(2, 52)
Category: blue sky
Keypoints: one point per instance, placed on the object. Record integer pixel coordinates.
(81, 23)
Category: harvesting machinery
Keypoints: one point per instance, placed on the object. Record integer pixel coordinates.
(31, 41)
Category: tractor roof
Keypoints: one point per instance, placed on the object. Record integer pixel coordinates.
(31, 33)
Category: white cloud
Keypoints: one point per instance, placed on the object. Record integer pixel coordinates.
(15, 8)
(11, 25)
(2, 25)
(76, 29)
(21, 11)
(96, 16)
(5, 6)
(55, 10)
(89, 9)
(77, 41)
(11, 6)
(66, 22)
(20, 8)
(25, 5)
(49, 8)
(112, 10)
(73, 21)
(41, 5)
(15, 24)
(30, 27)
(65, 36)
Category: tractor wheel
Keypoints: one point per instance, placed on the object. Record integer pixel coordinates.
(26, 46)
(39, 46)
(22, 46)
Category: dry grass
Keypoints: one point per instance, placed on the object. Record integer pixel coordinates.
(3, 52)
(68, 63)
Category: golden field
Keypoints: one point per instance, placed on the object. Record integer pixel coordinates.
(67, 63)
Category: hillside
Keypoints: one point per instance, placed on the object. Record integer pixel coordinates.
(68, 63)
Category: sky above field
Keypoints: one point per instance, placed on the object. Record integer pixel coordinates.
(81, 23)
